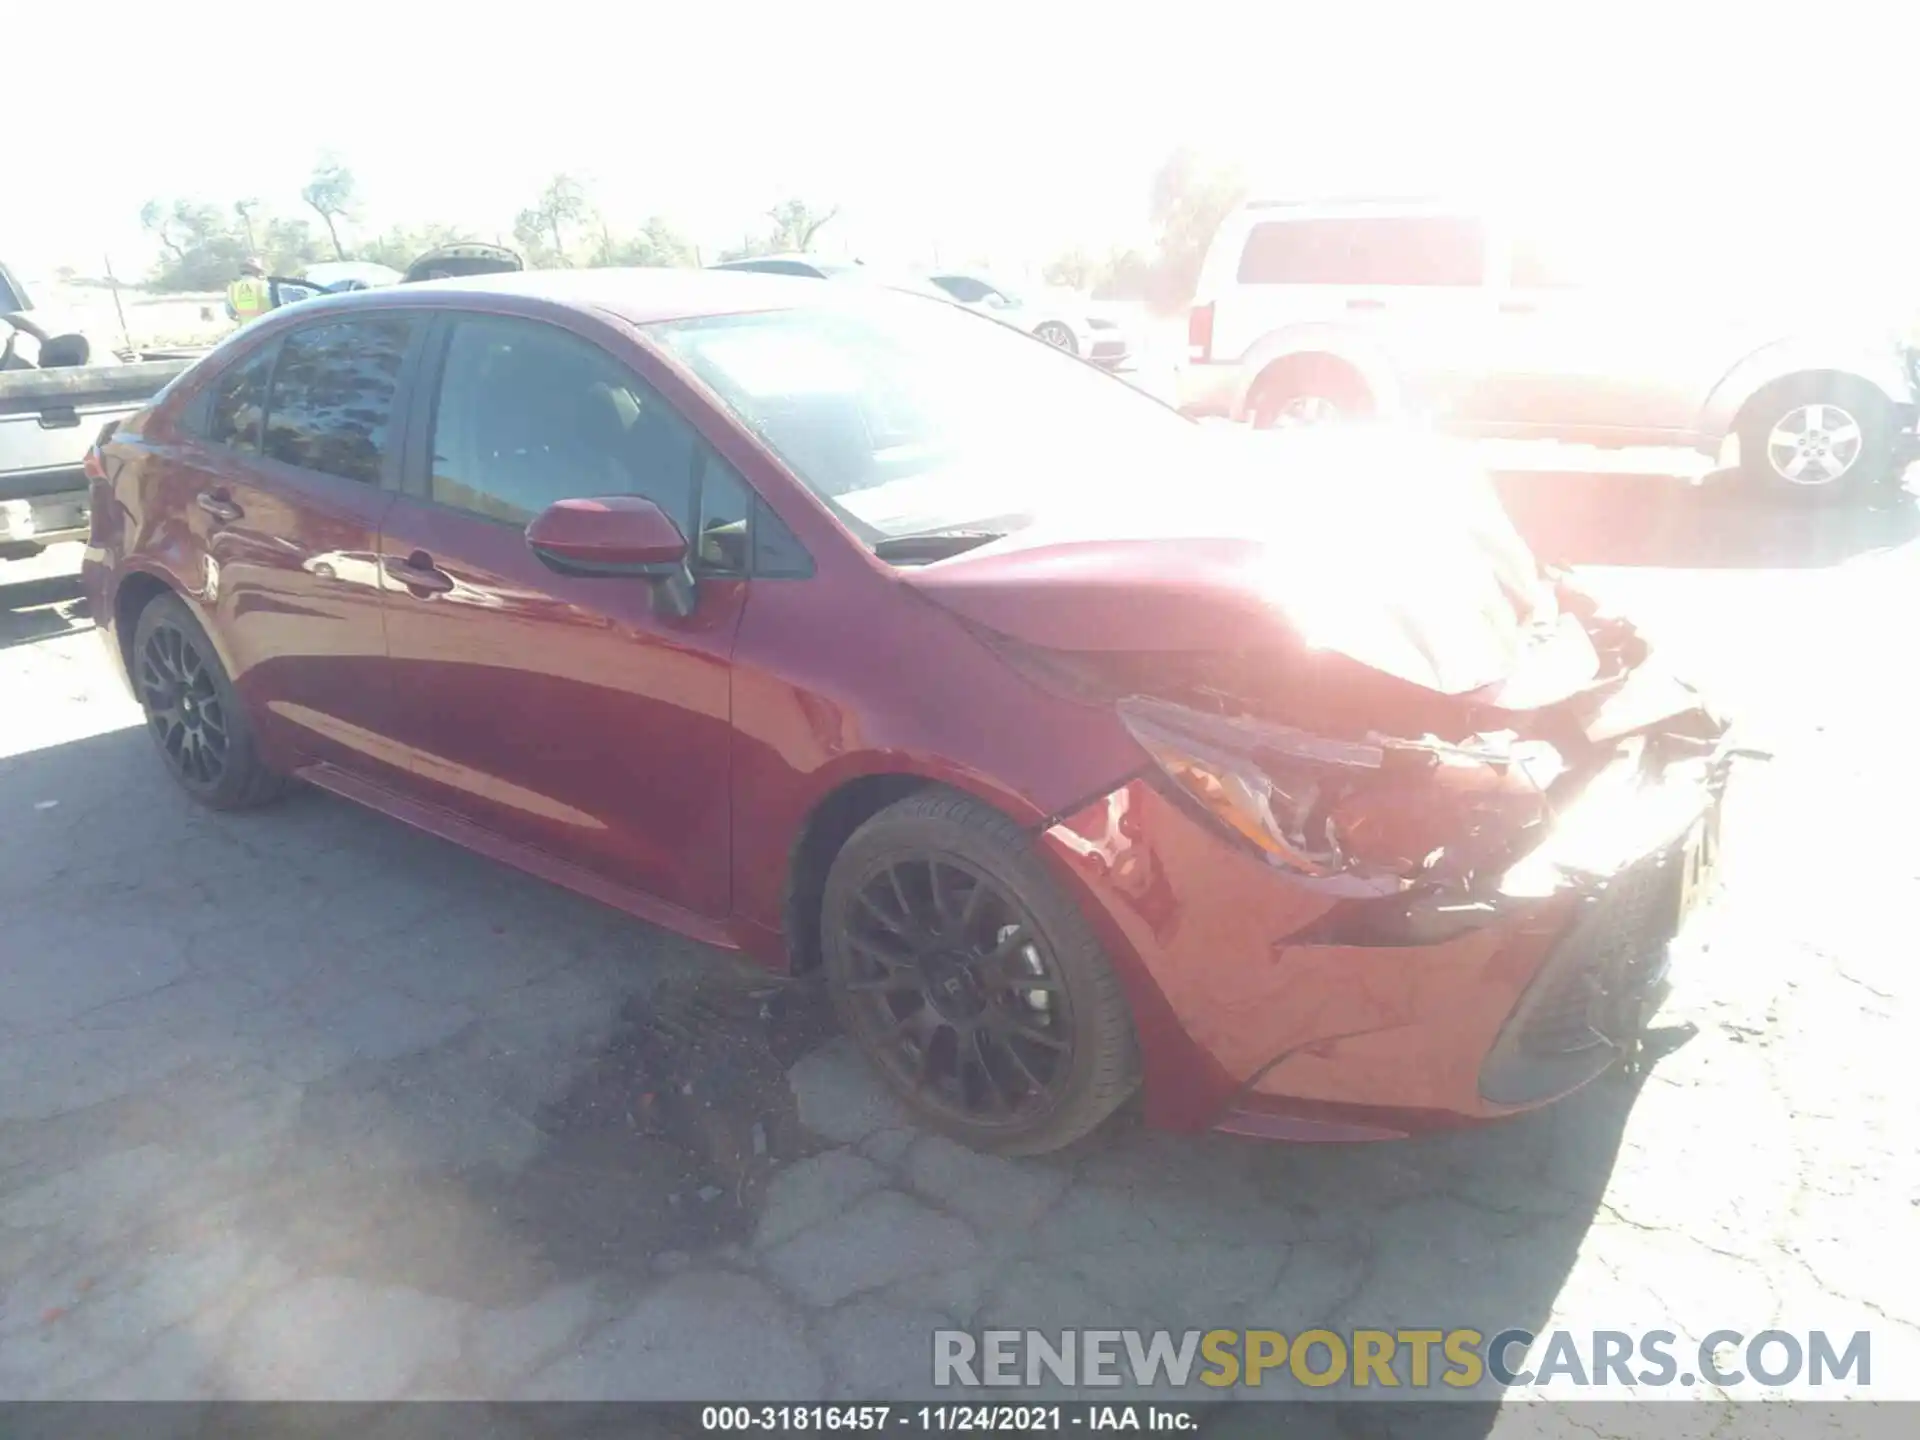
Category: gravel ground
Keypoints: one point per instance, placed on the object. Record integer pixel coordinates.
(304, 1104)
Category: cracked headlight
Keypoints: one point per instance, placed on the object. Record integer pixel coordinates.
(1366, 817)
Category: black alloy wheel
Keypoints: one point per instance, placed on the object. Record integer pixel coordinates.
(956, 993)
(197, 722)
(183, 707)
(971, 981)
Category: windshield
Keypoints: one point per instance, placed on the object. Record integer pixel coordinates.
(908, 417)
(13, 295)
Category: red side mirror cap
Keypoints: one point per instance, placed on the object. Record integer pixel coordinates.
(608, 535)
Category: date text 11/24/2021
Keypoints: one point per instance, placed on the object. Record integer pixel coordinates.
(948, 1419)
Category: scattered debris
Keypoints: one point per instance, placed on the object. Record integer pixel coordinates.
(694, 1081)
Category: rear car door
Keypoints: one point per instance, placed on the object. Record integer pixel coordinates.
(1595, 344)
(284, 489)
(564, 713)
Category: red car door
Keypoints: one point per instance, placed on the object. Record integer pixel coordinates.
(564, 714)
(280, 484)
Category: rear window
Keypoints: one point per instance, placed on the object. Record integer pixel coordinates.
(774, 267)
(331, 405)
(1394, 250)
(239, 401)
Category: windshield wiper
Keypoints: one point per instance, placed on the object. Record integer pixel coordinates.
(933, 544)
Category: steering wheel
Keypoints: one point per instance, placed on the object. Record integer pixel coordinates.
(21, 326)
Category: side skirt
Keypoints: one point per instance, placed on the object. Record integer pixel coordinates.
(464, 833)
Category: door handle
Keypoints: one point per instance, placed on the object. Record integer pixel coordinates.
(219, 506)
(418, 573)
(1366, 304)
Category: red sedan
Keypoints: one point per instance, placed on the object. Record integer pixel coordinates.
(854, 631)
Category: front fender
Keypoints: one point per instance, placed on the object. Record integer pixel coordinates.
(1365, 356)
(1877, 364)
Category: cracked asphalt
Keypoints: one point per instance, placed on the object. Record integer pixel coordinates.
(303, 1104)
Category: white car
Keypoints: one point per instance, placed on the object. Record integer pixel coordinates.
(1059, 317)
(1486, 324)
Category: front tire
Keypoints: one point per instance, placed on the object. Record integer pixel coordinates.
(975, 987)
(1057, 335)
(197, 722)
(1818, 440)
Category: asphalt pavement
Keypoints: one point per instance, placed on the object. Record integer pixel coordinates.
(303, 1104)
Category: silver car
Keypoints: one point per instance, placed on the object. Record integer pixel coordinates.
(1477, 321)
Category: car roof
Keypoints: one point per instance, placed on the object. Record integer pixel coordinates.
(640, 295)
(789, 257)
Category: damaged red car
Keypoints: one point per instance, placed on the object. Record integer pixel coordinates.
(1081, 750)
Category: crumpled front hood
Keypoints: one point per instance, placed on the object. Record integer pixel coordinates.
(1391, 550)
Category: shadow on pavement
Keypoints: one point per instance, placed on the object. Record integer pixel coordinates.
(37, 608)
(403, 1122)
(1643, 520)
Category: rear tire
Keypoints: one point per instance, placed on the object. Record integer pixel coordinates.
(1818, 440)
(976, 988)
(196, 720)
(1301, 394)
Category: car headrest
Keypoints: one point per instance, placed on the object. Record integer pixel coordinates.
(61, 352)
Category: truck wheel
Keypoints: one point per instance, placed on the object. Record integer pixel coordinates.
(1818, 440)
(1294, 395)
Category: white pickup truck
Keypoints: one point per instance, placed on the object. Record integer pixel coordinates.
(57, 397)
(54, 402)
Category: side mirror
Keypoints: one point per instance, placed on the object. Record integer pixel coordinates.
(616, 535)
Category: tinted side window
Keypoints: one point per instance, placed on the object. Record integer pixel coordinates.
(528, 414)
(778, 267)
(964, 288)
(1412, 250)
(777, 551)
(237, 403)
(331, 405)
(725, 544)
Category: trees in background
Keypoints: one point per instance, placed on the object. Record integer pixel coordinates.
(657, 243)
(542, 228)
(1188, 199)
(795, 224)
(202, 245)
(332, 194)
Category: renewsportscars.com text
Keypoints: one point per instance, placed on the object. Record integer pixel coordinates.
(1558, 1360)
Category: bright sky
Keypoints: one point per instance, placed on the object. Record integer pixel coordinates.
(984, 129)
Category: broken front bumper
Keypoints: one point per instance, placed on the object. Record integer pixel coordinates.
(1608, 975)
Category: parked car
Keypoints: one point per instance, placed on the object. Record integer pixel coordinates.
(846, 631)
(1470, 316)
(459, 260)
(813, 267)
(1063, 319)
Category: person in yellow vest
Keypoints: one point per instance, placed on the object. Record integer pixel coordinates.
(250, 296)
